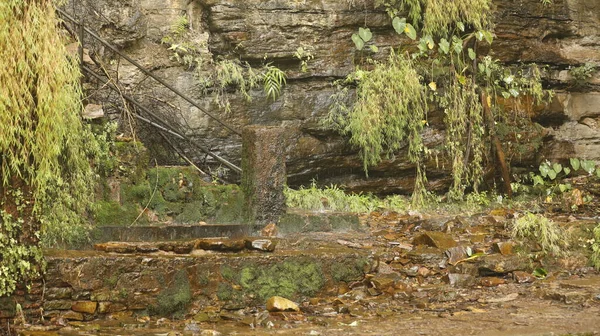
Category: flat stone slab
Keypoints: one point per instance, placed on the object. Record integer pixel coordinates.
(186, 247)
(171, 232)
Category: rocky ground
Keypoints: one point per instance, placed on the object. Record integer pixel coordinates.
(429, 273)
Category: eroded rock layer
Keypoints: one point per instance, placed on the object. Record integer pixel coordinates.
(563, 35)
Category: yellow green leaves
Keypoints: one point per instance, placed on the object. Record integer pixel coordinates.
(472, 54)
(364, 35)
(273, 81)
(444, 46)
(486, 35)
(402, 27)
(575, 163)
(42, 139)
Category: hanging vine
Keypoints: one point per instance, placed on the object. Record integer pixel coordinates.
(47, 182)
(446, 74)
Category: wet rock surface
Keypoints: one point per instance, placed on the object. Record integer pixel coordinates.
(338, 283)
(562, 35)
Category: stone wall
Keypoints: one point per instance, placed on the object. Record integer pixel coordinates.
(87, 285)
(562, 35)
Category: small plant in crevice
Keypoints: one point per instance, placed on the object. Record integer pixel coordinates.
(595, 247)
(538, 230)
(220, 76)
(581, 74)
(304, 56)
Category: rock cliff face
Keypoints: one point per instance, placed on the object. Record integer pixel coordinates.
(563, 35)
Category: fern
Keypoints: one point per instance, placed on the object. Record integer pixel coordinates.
(273, 81)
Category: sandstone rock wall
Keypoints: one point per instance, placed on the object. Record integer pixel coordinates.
(563, 35)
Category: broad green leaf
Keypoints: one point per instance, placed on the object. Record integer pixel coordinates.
(410, 31)
(508, 79)
(544, 169)
(374, 48)
(365, 34)
(481, 67)
(567, 170)
(399, 25)
(488, 36)
(479, 36)
(557, 167)
(444, 46)
(551, 174)
(461, 26)
(563, 187)
(358, 42)
(588, 165)
(575, 163)
(540, 273)
(457, 46)
(598, 172)
(537, 179)
(429, 40)
(505, 94)
(461, 79)
(514, 92)
(472, 54)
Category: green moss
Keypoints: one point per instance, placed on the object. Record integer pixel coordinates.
(225, 292)
(344, 222)
(174, 299)
(228, 273)
(111, 281)
(133, 160)
(231, 208)
(110, 213)
(173, 193)
(291, 223)
(137, 193)
(292, 278)
(317, 223)
(192, 213)
(351, 270)
(202, 276)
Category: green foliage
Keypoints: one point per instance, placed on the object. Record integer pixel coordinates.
(537, 229)
(334, 198)
(348, 271)
(233, 73)
(364, 36)
(43, 141)
(550, 179)
(173, 299)
(389, 113)
(595, 246)
(273, 81)
(219, 76)
(171, 194)
(180, 26)
(438, 17)
(291, 278)
(19, 262)
(445, 73)
(581, 74)
(305, 56)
